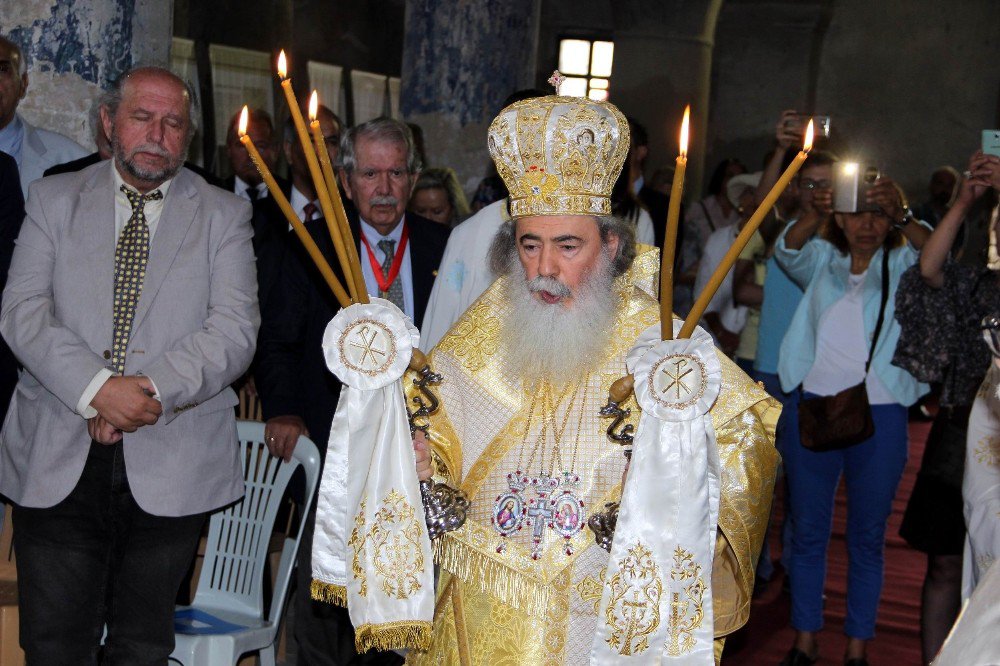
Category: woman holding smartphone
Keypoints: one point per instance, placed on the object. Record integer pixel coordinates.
(826, 350)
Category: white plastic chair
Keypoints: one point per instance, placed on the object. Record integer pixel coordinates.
(226, 619)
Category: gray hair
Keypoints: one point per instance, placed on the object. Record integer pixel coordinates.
(503, 250)
(112, 99)
(380, 129)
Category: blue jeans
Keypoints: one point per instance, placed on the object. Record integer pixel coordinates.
(871, 471)
(789, 406)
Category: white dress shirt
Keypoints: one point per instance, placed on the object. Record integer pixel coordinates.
(298, 202)
(123, 212)
(240, 188)
(405, 270)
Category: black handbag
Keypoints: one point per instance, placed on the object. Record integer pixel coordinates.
(844, 419)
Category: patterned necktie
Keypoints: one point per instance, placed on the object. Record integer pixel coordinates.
(395, 293)
(131, 255)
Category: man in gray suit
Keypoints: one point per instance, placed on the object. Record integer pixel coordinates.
(132, 304)
(33, 148)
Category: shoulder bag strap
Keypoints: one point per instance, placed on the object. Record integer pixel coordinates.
(881, 307)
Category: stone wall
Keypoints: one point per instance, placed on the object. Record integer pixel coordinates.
(909, 84)
(461, 59)
(74, 49)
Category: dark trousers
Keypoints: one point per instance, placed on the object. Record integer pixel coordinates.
(323, 631)
(97, 559)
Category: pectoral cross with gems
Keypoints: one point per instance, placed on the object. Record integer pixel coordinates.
(540, 511)
(556, 80)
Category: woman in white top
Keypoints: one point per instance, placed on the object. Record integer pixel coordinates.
(625, 206)
(701, 220)
(825, 350)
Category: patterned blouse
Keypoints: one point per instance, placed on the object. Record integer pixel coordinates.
(941, 340)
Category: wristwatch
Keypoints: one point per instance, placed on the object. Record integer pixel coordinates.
(905, 220)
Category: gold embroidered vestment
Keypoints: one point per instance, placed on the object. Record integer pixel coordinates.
(496, 608)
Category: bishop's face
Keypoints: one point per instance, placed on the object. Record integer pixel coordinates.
(565, 249)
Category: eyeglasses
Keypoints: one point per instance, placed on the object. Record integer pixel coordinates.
(810, 184)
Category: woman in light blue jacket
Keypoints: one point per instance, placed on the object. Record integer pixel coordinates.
(824, 351)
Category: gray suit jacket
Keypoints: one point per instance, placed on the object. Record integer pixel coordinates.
(194, 333)
(42, 149)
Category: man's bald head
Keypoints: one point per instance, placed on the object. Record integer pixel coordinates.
(150, 117)
(13, 79)
(155, 75)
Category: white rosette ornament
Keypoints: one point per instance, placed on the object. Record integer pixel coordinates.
(371, 549)
(657, 602)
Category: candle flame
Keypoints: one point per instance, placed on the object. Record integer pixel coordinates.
(807, 146)
(685, 126)
(313, 105)
(282, 65)
(244, 119)
(850, 168)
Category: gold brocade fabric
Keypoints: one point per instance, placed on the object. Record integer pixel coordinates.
(559, 155)
(506, 608)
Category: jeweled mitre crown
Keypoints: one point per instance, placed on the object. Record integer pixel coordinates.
(559, 155)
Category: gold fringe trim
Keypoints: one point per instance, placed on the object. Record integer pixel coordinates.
(328, 592)
(492, 577)
(414, 634)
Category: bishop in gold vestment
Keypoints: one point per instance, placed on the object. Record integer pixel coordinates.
(532, 596)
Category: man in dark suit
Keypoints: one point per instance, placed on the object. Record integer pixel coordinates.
(400, 253)
(11, 217)
(269, 224)
(131, 301)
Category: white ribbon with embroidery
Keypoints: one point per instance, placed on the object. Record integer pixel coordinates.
(657, 602)
(371, 548)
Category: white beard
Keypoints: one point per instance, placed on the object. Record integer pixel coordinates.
(558, 343)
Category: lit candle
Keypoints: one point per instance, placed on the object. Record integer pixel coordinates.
(670, 236)
(322, 193)
(340, 230)
(332, 221)
(744, 236)
(293, 218)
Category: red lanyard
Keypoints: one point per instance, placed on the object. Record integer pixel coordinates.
(397, 261)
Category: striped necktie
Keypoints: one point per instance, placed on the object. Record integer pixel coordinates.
(395, 293)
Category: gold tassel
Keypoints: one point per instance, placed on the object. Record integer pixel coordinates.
(328, 592)
(495, 578)
(412, 634)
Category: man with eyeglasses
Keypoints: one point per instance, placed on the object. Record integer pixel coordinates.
(773, 292)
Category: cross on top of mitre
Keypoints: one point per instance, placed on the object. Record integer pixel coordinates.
(556, 80)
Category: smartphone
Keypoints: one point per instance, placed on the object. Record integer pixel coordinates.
(851, 182)
(991, 142)
(821, 125)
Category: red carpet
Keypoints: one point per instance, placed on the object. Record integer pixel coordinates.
(767, 636)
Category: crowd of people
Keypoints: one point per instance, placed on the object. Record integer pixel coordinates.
(821, 300)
